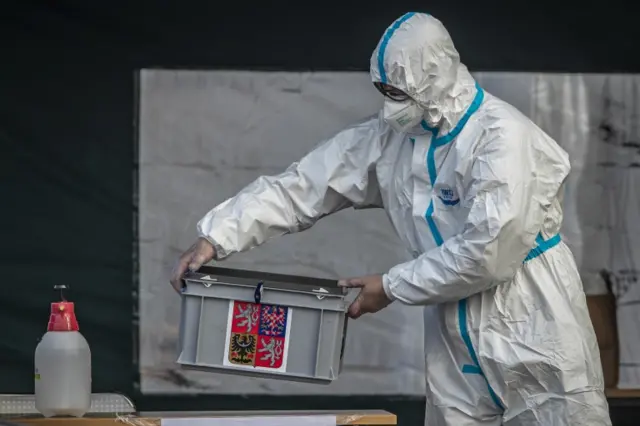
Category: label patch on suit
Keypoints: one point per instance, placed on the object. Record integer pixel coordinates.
(448, 196)
(257, 336)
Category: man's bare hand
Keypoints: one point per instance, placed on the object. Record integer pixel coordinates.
(197, 255)
(372, 297)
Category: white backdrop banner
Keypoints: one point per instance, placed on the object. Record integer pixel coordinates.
(206, 134)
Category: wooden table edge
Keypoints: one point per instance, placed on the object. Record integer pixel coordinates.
(343, 418)
(622, 393)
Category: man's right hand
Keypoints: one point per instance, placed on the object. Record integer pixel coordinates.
(197, 255)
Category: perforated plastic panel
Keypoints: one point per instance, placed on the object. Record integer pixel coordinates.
(13, 405)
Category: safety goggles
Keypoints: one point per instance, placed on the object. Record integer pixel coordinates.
(391, 92)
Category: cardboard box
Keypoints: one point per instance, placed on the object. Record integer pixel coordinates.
(602, 309)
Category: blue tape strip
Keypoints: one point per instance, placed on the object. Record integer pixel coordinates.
(462, 320)
(385, 41)
(543, 246)
(432, 225)
(475, 368)
(471, 369)
(433, 130)
(431, 163)
(440, 141)
(437, 142)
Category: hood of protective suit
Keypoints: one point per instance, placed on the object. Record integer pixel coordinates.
(416, 55)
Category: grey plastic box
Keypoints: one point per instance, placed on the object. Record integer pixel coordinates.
(262, 325)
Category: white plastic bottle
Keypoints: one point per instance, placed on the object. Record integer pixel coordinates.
(63, 365)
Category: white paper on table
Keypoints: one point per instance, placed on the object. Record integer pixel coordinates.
(252, 421)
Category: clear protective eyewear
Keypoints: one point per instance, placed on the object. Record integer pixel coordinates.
(391, 92)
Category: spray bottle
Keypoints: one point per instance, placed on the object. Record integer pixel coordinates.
(63, 364)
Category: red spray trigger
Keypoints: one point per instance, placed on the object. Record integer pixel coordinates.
(63, 317)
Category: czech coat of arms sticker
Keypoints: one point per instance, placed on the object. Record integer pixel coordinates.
(257, 336)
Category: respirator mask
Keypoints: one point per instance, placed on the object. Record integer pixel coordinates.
(402, 116)
(400, 111)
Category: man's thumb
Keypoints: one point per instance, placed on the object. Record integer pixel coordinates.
(355, 310)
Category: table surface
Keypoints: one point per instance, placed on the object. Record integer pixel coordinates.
(623, 393)
(344, 418)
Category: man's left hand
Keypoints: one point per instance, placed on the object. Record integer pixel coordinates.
(372, 297)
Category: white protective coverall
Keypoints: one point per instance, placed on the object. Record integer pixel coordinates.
(474, 192)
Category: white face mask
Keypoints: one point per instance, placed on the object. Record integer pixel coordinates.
(402, 116)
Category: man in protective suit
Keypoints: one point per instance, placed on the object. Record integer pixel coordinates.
(474, 190)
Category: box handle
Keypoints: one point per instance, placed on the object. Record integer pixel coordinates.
(257, 294)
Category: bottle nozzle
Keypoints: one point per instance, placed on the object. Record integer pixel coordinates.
(61, 288)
